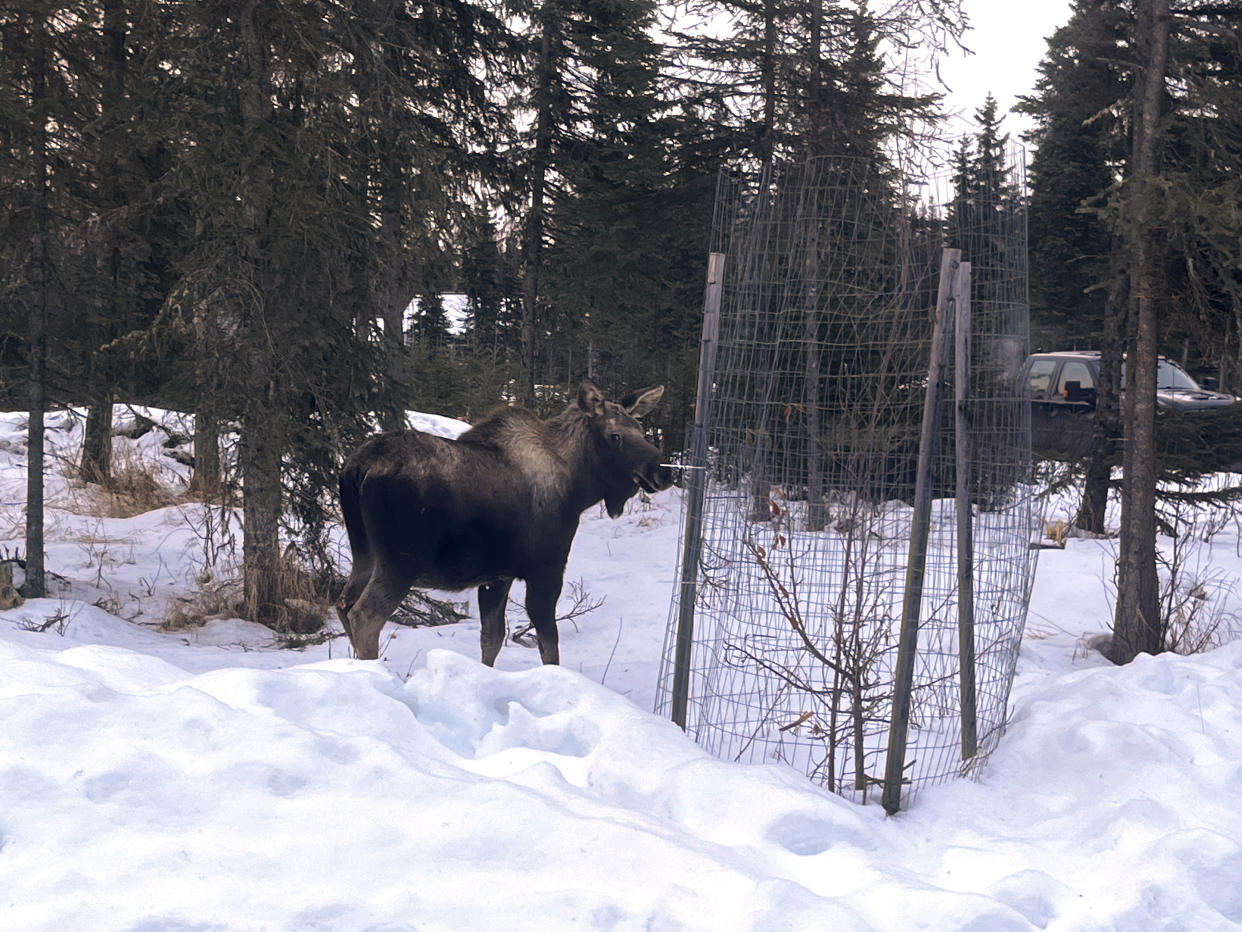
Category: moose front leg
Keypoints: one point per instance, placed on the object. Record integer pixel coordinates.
(541, 596)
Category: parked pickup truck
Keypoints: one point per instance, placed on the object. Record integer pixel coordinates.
(1062, 386)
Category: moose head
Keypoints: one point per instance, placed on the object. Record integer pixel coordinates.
(626, 460)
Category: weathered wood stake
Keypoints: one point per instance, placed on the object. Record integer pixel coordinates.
(965, 531)
(696, 490)
(920, 529)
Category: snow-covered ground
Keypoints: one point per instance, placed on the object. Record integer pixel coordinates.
(205, 778)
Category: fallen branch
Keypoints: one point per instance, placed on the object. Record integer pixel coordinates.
(583, 604)
(419, 610)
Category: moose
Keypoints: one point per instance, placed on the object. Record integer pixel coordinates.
(499, 503)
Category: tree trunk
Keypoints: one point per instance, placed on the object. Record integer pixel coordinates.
(1136, 628)
(392, 416)
(96, 465)
(259, 455)
(533, 246)
(41, 282)
(261, 442)
(815, 510)
(1107, 427)
(34, 587)
(815, 121)
(391, 296)
(816, 513)
(767, 79)
(761, 488)
(206, 478)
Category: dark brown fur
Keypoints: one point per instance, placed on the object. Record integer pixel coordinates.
(500, 503)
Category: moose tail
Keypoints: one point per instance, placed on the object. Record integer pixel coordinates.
(351, 508)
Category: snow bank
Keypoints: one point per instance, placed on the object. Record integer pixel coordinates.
(333, 795)
(336, 795)
(205, 779)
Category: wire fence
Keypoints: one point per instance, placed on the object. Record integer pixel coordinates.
(831, 278)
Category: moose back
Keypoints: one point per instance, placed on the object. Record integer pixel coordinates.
(499, 503)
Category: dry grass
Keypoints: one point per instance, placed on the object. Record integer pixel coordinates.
(209, 601)
(9, 597)
(220, 493)
(291, 603)
(132, 489)
(1058, 532)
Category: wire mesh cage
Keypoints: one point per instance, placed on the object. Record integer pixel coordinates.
(810, 457)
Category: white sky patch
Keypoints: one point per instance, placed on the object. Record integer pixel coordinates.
(1008, 40)
(456, 309)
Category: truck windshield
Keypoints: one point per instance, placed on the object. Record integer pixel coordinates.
(1168, 375)
(1171, 375)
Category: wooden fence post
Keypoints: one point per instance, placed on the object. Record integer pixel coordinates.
(696, 490)
(965, 530)
(920, 529)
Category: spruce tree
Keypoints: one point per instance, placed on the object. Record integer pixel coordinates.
(120, 287)
(326, 157)
(606, 268)
(780, 82)
(43, 107)
(1136, 628)
(1078, 287)
(1186, 140)
(1154, 128)
(1077, 142)
(1200, 185)
(270, 278)
(489, 280)
(987, 209)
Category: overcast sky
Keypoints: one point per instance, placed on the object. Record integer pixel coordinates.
(1008, 41)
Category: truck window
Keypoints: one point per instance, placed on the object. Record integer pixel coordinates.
(1078, 372)
(1168, 375)
(1171, 375)
(1039, 377)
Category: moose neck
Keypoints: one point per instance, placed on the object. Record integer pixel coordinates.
(571, 435)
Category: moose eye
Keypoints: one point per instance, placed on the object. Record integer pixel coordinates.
(614, 439)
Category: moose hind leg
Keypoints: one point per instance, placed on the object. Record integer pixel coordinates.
(359, 576)
(492, 599)
(541, 599)
(382, 594)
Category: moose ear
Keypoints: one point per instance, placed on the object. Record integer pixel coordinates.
(640, 403)
(590, 398)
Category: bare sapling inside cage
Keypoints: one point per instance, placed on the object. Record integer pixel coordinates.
(810, 441)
